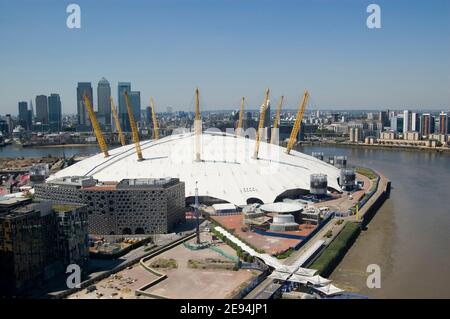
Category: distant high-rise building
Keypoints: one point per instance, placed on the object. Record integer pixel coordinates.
(406, 121)
(148, 116)
(397, 123)
(334, 117)
(383, 118)
(29, 119)
(426, 125)
(135, 101)
(10, 124)
(444, 127)
(103, 102)
(392, 114)
(415, 122)
(135, 97)
(354, 134)
(54, 112)
(123, 87)
(82, 89)
(42, 109)
(411, 121)
(24, 115)
(31, 109)
(248, 120)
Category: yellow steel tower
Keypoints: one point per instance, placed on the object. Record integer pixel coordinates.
(298, 122)
(116, 120)
(155, 121)
(133, 128)
(277, 120)
(197, 126)
(95, 126)
(262, 116)
(241, 118)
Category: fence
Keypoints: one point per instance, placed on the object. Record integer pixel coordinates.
(315, 231)
(223, 253)
(257, 265)
(120, 267)
(303, 239)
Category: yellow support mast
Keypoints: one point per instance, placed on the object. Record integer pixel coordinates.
(155, 121)
(116, 120)
(241, 118)
(95, 126)
(277, 120)
(298, 122)
(133, 128)
(262, 116)
(197, 126)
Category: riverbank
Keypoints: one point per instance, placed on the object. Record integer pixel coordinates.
(377, 146)
(62, 145)
(327, 261)
(408, 236)
(66, 150)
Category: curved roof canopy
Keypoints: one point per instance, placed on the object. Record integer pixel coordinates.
(282, 207)
(226, 171)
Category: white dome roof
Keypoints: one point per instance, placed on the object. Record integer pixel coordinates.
(227, 170)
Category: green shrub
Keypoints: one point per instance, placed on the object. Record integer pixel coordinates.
(164, 263)
(366, 172)
(333, 254)
(229, 242)
(285, 254)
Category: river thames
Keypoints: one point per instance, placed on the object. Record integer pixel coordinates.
(409, 237)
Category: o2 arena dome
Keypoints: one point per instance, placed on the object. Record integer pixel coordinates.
(226, 170)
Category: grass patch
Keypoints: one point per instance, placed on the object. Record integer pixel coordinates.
(164, 263)
(211, 263)
(328, 234)
(285, 254)
(333, 254)
(366, 172)
(239, 252)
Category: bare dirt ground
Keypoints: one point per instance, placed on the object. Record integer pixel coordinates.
(121, 285)
(184, 282)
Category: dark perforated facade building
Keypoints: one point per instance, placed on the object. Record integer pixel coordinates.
(132, 206)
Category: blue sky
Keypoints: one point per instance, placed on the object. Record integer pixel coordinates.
(229, 49)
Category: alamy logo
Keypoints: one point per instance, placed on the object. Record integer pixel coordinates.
(374, 19)
(74, 19)
(374, 279)
(74, 279)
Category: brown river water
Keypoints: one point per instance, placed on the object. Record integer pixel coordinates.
(409, 237)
